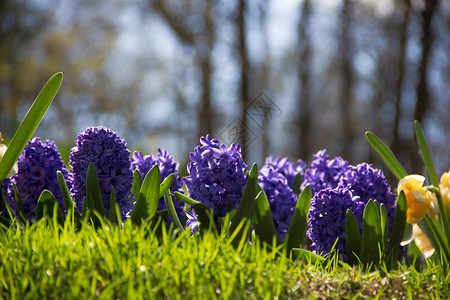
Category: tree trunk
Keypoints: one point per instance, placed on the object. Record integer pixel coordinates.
(244, 90)
(304, 73)
(422, 93)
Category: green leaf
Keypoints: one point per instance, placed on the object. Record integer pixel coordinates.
(147, 202)
(246, 206)
(296, 235)
(398, 228)
(171, 211)
(68, 201)
(384, 227)
(137, 182)
(308, 256)
(93, 190)
(262, 219)
(371, 235)
(29, 124)
(165, 185)
(414, 254)
(5, 216)
(352, 238)
(201, 210)
(19, 204)
(387, 155)
(297, 183)
(112, 206)
(426, 154)
(46, 207)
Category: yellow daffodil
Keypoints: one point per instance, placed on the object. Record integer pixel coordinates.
(3, 149)
(419, 201)
(444, 186)
(422, 241)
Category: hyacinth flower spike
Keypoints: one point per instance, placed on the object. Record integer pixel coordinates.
(37, 171)
(110, 156)
(167, 166)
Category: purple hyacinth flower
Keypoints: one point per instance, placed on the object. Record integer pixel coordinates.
(37, 166)
(370, 183)
(324, 172)
(216, 175)
(109, 153)
(167, 165)
(281, 198)
(327, 218)
(283, 166)
(192, 221)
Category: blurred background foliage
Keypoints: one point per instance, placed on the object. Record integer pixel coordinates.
(162, 73)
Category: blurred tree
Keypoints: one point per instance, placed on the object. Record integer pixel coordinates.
(304, 106)
(193, 23)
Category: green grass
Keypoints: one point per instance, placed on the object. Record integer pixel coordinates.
(133, 263)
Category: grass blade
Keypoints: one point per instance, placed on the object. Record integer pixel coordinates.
(29, 124)
(296, 235)
(387, 155)
(262, 218)
(352, 238)
(246, 206)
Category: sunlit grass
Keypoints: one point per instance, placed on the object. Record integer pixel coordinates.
(129, 263)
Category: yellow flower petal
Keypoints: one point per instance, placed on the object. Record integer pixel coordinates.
(419, 201)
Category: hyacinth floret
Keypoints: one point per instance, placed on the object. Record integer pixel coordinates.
(370, 183)
(324, 172)
(216, 175)
(283, 166)
(37, 167)
(327, 218)
(103, 147)
(167, 165)
(281, 198)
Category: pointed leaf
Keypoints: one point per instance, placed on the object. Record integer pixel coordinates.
(46, 206)
(308, 256)
(201, 210)
(384, 226)
(297, 183)
(19, 205)
(425, 154)
(171, 211)
(68, 202)
(29, 124)
(262, 218)
(387, 155)
(398, 228)
(112, 206)
(296, 235)
(352, 238)
(93, 190)
(166, 184)
(246, 206)
(137, 182)
(371, 234)
(147, 201)
(5, 216)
